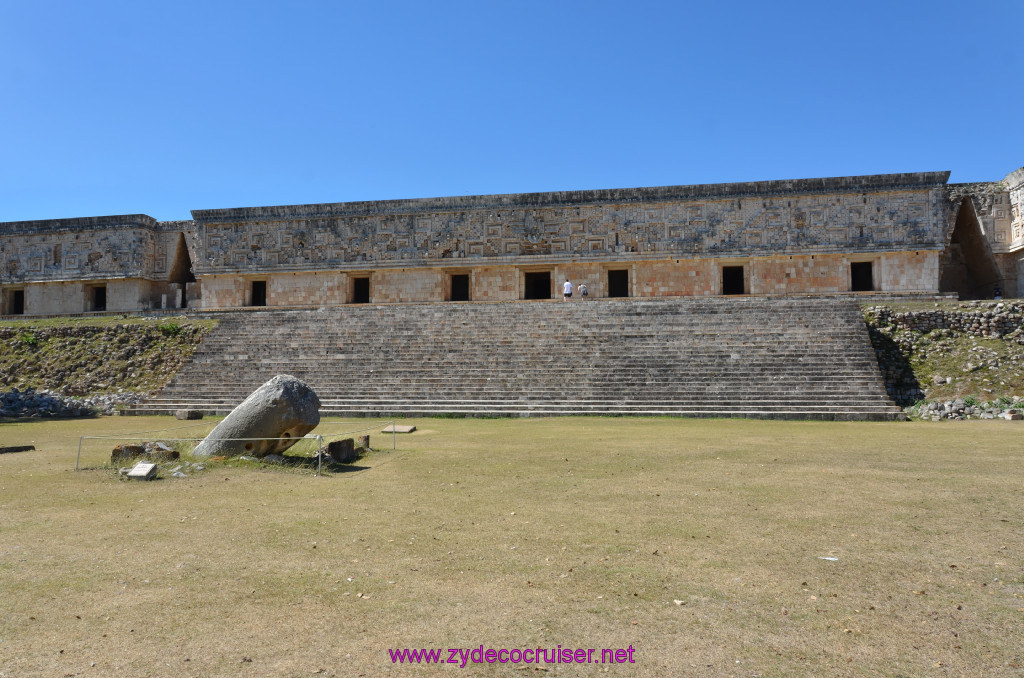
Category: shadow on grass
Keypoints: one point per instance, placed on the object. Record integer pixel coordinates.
(28, 420)
(312, 463)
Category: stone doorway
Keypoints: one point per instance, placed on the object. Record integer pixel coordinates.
(537, 285)
(732, 280)
(98, 298)
(258, 295)
(460, 287)
(361, 290)
(181, 270)
(16, 302)
(968, 266)
(618, 283)
(861, 277)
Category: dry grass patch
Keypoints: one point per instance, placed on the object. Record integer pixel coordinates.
(699, 543)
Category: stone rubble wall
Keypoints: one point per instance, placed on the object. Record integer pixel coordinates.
(968, 408)
(996, 320)
(899, 335)
(49, 404)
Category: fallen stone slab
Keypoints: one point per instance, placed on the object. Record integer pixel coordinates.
(188, 414)
(272, 419)
(395, 428)
(17, 448)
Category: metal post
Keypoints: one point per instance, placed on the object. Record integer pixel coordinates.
(79, 457)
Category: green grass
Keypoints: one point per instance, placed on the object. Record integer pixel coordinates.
(700, 543)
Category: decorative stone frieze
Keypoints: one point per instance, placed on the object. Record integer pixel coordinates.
(900, 232)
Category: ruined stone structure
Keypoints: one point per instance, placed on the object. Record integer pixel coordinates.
(894, 233)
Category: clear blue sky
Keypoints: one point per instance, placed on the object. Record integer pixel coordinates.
(161, 107)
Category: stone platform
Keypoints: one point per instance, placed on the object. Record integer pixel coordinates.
(756, 357)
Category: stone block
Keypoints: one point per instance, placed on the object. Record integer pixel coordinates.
(398, 428)
(342, 451)
(272, 419)
(126, 453)
(188, 414)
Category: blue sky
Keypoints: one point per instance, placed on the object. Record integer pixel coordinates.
(159, 108)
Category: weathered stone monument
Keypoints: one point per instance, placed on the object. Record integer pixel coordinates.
(272, 419)
(886, 233)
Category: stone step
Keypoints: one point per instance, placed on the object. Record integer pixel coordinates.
(754, 356)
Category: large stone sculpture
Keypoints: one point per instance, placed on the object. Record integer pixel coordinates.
(273, 418)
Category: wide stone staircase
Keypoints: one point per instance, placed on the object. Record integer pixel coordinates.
(782, 357)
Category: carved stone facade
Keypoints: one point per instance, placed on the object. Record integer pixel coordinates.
(899, 233)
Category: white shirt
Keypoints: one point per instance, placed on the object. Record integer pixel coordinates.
(567, 288)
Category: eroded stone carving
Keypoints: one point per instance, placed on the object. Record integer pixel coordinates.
(273, 418)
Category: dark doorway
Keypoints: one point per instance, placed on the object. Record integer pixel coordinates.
(17, 302)
(618, 283)
(860, 277)
(99, 298)
(537, 285)
(259, 293)
(360, 290)
(460, 287)
(732, 280)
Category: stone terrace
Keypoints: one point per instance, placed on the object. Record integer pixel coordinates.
(759, 357)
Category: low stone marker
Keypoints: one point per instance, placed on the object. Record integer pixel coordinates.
(144, 470)
(188, 414)
(342, 451)
(398, 429)
(364, 442)
(284, 407)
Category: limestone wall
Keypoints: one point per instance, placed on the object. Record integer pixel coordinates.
(129, 246)
(790, 237)
(860, 214)
(494, 283)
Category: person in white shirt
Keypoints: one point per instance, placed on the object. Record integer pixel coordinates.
(566, 290)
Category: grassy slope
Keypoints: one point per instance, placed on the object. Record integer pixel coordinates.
(524, 533)
(82, 356)
(981, 367)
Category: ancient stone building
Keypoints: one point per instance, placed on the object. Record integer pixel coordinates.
(894, 233)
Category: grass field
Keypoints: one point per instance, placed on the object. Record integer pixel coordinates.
(712, 548)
